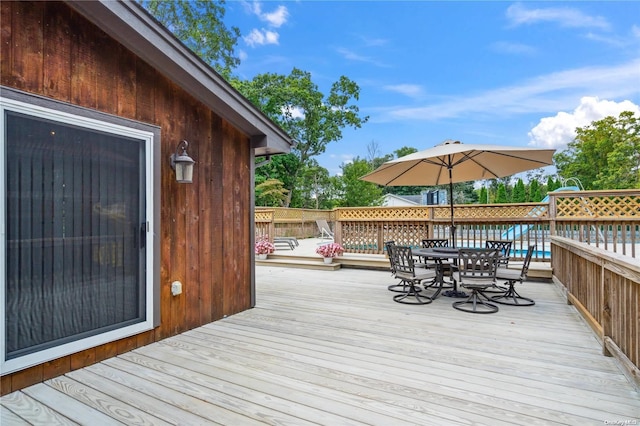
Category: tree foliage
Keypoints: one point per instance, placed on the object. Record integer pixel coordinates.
(271, 193)
(199, 24)
(604, 154)
(534, 194)
(296, 104)
(403, 190)
(356, 192)
(519, 194)
(501, 195)
(484, 196)
(315, 188)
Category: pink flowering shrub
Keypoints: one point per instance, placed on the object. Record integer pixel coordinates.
(264, 246)
(330, 250)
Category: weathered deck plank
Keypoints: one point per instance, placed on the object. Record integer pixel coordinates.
(333, 348)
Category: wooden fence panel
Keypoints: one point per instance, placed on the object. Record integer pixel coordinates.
(605, 288)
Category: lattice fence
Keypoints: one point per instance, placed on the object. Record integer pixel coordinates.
(369, 237)
(492, 211)
(383, 213)
(597, 205)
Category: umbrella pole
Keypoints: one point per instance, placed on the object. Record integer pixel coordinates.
(453, 225)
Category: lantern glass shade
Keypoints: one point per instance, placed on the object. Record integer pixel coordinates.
(184, 169)
(182, 164)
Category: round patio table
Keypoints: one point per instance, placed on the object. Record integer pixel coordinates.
(440, 254)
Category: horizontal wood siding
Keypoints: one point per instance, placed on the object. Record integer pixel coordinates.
(49, 50)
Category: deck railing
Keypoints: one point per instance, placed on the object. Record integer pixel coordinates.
(607, 219)
(605, 288)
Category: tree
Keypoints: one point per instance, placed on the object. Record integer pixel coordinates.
(281, 167)
(484, 196)
(604, 154)
(404, 190)
(534, 191)
(295, 103)
(552, 185)
(464, 193)
(314, 189)
(373, 155)
(519, 194)
(501, 196)
(199, 24)
(270, 193)
(355, 191)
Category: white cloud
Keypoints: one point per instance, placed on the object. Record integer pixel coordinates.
(558, 131)
(276, 18)
(518, 14)
(353, 56)
(513, 48)
(552, 92)
(261, 37)
(374, 42)
(411, 90)
(295, 112)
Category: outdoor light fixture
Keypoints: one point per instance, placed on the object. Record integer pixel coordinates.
(182, 164)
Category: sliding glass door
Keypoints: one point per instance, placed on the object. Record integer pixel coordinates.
(75, 245)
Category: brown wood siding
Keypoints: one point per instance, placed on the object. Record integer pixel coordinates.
(49, 50)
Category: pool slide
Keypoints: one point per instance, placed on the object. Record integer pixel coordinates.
(515, 231)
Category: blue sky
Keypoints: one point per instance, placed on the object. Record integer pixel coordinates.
(507, 73)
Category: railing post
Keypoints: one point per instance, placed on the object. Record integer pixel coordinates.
(430, 214)
(605, 287)
(552, 214)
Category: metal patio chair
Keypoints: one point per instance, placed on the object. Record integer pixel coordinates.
(504, 249)
(410, 275)
(511, 296)
(476, 272)
(432, 263)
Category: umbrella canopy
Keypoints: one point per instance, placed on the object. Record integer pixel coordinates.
(453, 161)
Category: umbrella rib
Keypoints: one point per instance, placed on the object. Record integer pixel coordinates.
(470, 157)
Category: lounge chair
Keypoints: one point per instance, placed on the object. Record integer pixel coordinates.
(324, 229)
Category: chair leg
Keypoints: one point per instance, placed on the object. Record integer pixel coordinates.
(496, 289)
(401, 288)
(412, 296)
(511, 297)
(478, 306)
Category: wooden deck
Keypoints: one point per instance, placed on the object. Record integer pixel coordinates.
(331, 347)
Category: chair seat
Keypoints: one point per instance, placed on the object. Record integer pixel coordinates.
(471, 282)
(508, 274)
(420, 275)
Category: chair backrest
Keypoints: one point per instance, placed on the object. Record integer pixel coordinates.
(527, 261)
(478, 265)
(504, 247)
(324, 227)
(403, 260)
(434, 242)
(389, 245)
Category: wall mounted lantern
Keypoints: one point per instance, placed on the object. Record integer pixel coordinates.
(182, 164)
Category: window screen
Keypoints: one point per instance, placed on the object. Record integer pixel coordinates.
(75, 233)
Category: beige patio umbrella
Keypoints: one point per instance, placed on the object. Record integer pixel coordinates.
(452, 162)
